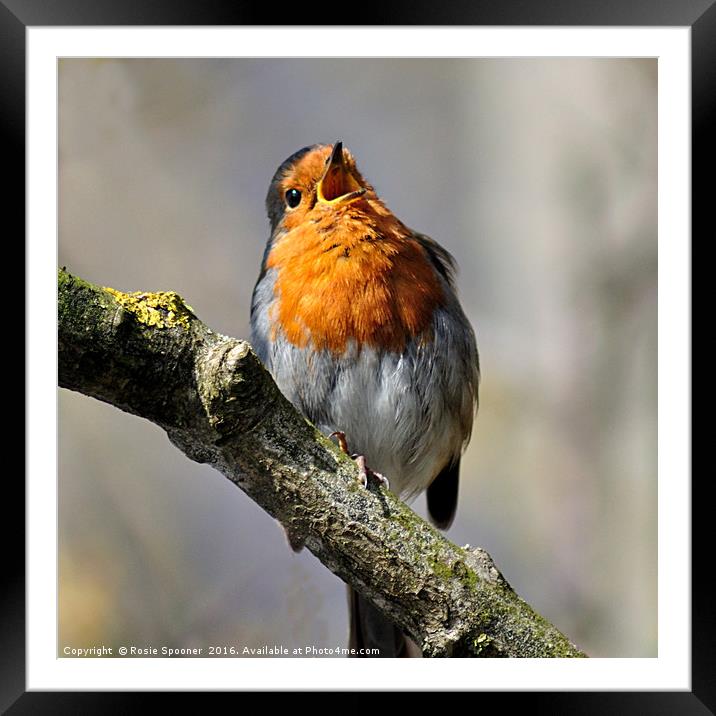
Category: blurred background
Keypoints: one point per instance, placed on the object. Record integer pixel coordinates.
(539, 175)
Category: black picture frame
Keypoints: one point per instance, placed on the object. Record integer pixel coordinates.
(699, 15)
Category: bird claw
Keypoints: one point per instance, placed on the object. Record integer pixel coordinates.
(363, 470)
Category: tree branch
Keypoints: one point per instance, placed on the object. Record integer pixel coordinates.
(148, 354)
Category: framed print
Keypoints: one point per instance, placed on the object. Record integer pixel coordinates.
(552, 162)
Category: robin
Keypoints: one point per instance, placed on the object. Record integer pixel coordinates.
(356, 317)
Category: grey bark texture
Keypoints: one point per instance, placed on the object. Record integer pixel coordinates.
(148, 354)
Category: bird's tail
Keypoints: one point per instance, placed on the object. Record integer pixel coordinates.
(370, 629)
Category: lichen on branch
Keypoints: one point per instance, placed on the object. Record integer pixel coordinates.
(161, 309)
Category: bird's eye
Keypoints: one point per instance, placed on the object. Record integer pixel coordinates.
(293, 198)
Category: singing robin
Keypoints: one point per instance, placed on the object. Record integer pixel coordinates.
(356, 316)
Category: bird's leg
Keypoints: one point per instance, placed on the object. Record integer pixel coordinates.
(342, 442)
(364, 472)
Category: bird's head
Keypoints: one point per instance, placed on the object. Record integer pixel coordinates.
(315, 184)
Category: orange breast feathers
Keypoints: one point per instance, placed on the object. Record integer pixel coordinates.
(356, 274)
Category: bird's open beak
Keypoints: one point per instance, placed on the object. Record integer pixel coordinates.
(338, 185)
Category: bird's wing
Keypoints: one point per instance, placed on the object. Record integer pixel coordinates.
(441, 258)
(443, 490)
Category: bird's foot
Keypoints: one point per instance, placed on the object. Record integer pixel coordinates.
(364, 472)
